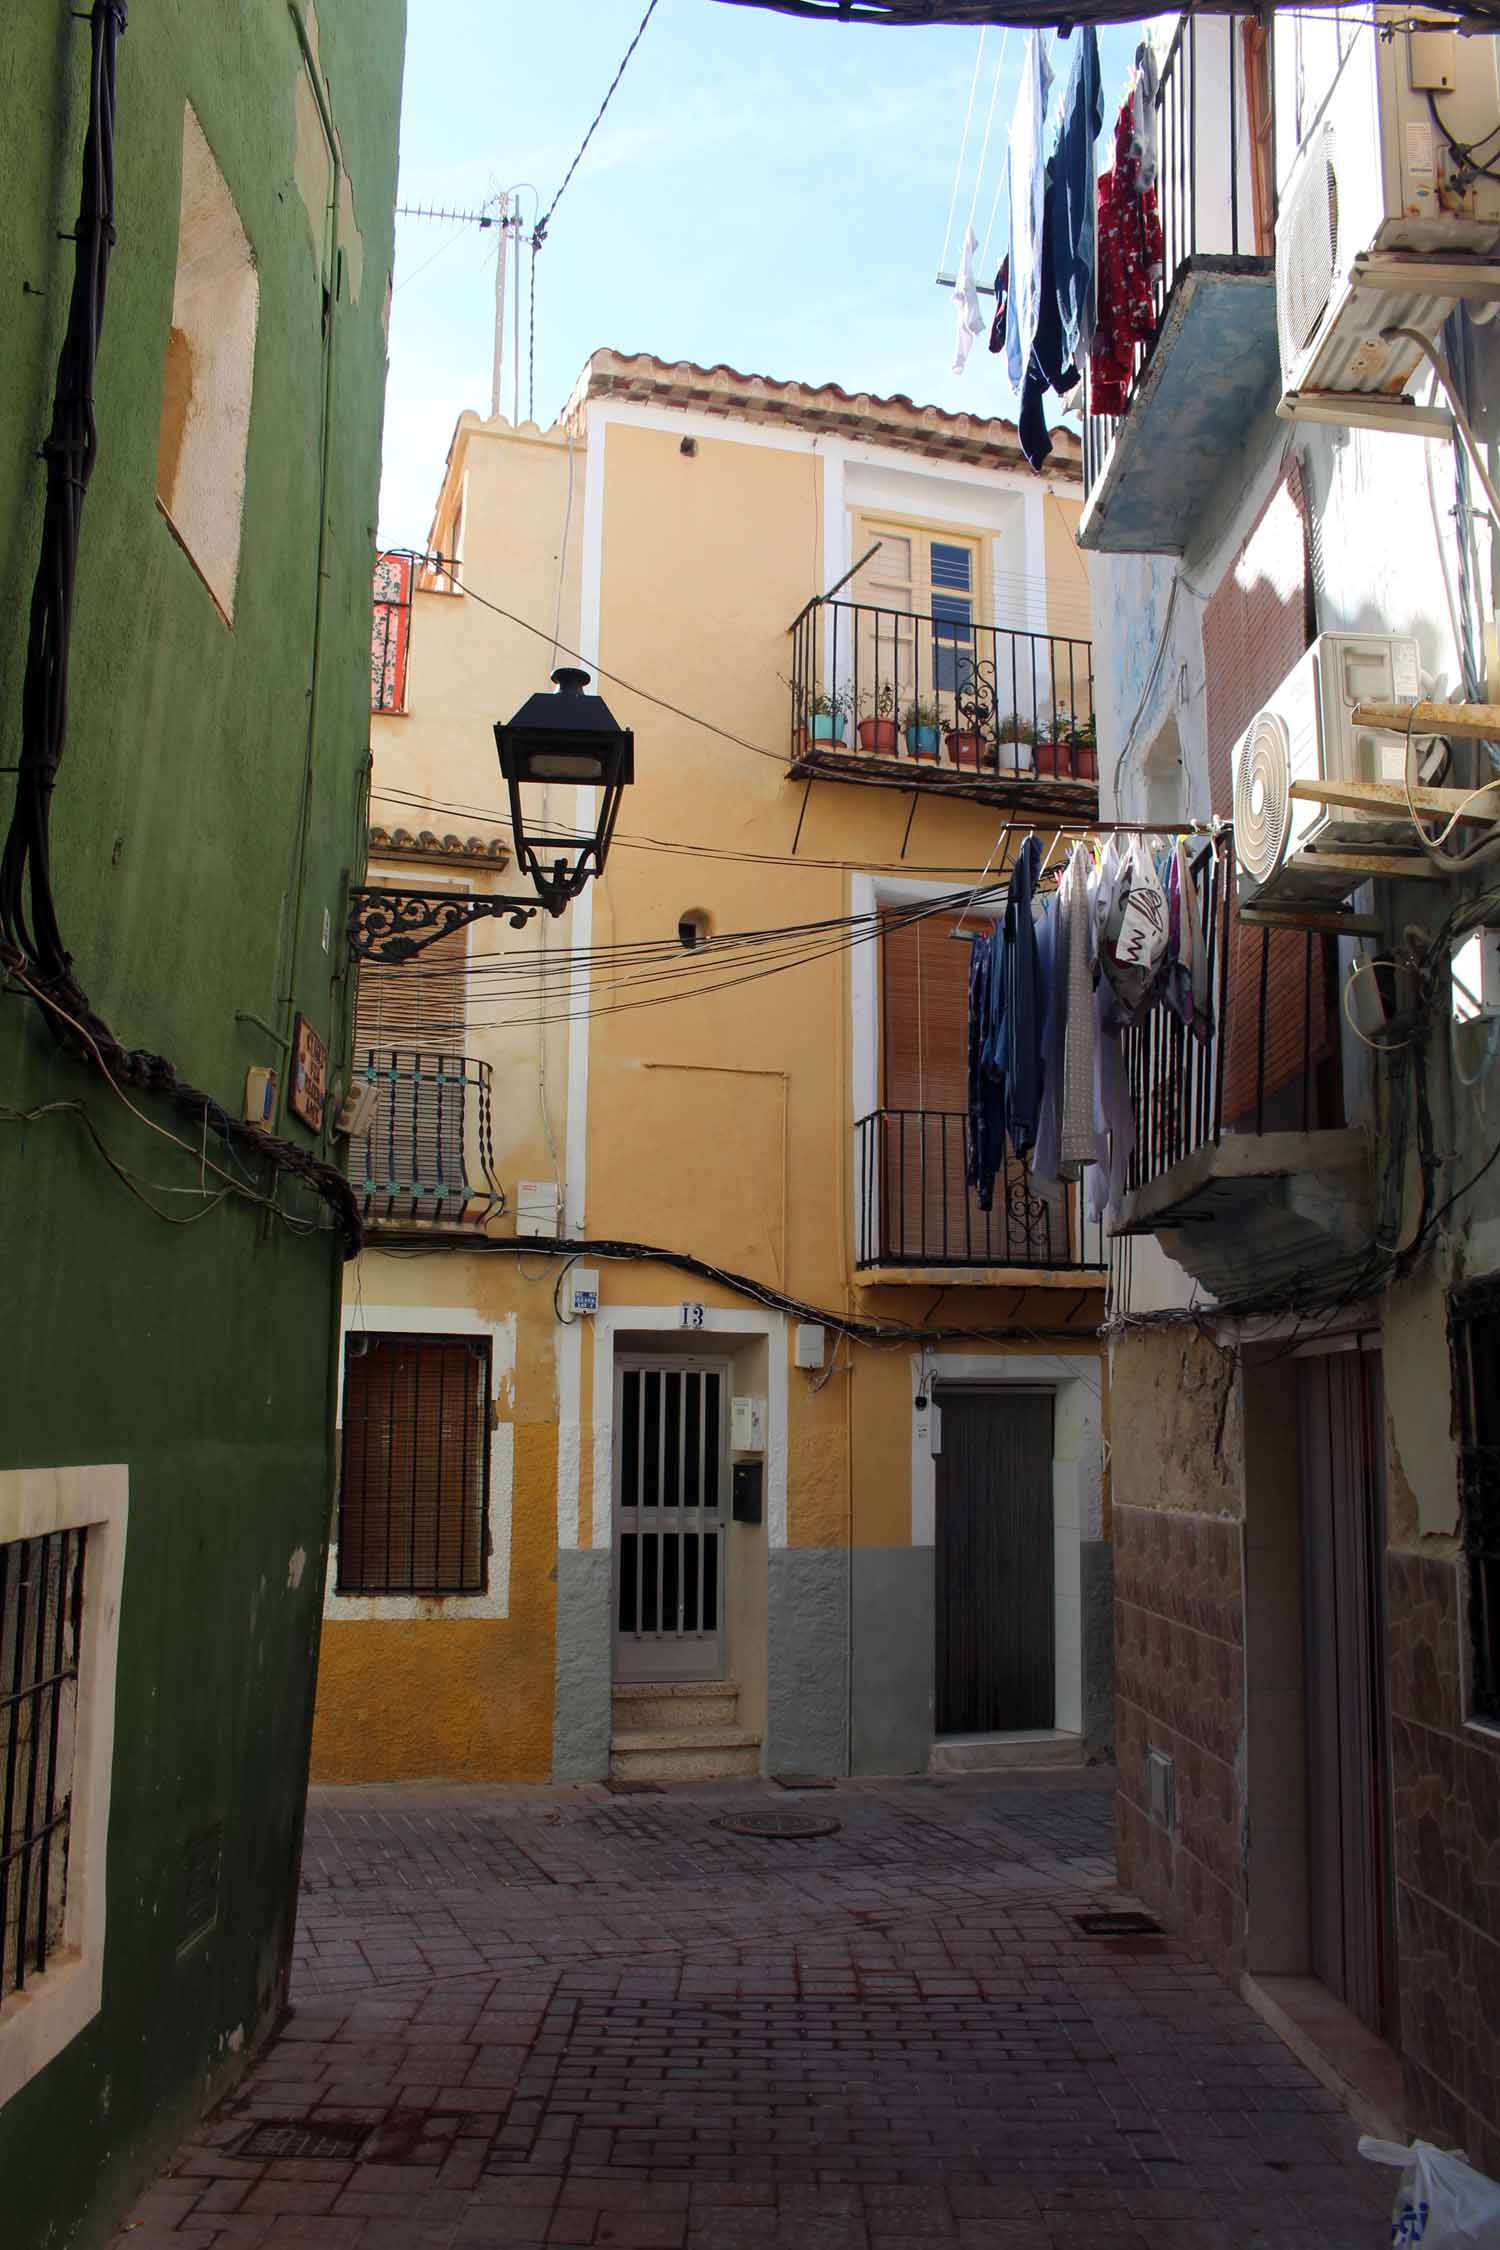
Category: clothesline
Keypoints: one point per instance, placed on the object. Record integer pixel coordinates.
(1170, 833)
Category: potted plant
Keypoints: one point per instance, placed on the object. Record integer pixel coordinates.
(1015, 741)
(878, 732)
(1083, 745)
(828, 715)
(923, 723)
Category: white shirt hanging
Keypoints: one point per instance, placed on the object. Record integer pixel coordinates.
(966, 305)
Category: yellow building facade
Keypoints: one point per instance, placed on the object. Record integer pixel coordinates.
(696, 1419)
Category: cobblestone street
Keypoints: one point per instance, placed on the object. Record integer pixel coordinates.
(565, 2017)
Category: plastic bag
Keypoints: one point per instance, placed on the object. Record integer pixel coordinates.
(1442, 2202)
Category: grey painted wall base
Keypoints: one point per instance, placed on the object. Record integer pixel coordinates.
(1097, 1583)
(893, 1659)
(585, 1658)
(807, 1677)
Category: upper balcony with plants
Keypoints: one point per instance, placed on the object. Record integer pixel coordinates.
(934, 700)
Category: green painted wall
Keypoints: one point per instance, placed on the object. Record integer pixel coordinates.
(199, 1355)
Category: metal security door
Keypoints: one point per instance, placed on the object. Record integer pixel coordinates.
(1341, 1415)
(996, 1668)
(671, 1477)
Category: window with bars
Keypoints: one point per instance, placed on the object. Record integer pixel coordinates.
(414, 1485)
(41, 1615)
(1474, 1330)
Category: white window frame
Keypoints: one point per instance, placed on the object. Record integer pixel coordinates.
(35, 2025)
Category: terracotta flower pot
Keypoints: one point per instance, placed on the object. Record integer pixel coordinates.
(963, 746)
(879, 737)
(1052, 758)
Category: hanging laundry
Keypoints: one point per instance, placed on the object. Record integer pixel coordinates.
(1002, 306)
(966, 303)
(985, 1138)
(1065, 1130)
(1072, 195)
(1145, 137)
(1027, 182)
(1130, 266)
(1024, 1002)
(1188, 985)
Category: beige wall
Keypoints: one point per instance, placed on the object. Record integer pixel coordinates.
(719, 1126)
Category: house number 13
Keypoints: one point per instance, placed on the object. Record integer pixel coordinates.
(692, 1316)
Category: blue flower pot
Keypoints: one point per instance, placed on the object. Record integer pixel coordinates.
(922, 742)
(828, 726)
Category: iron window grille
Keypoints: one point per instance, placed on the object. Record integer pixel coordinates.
(414, 1483)
(41, 1614)
(1474, 1334)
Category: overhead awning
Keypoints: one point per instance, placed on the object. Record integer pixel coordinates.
(1041, 15)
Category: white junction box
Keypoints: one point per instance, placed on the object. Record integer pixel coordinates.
(537, 1208)
(747, 1425)
(583, 1290)
(807, 1344)
(1474, 968)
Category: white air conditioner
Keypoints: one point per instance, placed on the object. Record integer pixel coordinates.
(1380, 226)
(1306, 733)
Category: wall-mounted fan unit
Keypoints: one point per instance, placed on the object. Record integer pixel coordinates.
(1382, 226)
(1306, 732)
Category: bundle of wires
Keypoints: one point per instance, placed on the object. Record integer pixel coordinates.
(32, 950)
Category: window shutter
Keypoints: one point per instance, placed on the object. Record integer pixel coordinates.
(390, 636)
(414, 1486)
(1255, 627)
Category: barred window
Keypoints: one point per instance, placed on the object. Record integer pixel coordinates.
(41, 1609)
(414, 1488)
(1475, 1335)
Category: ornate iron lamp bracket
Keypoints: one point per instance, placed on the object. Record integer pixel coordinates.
(395, 925)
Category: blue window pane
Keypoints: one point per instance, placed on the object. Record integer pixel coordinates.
(952, 566)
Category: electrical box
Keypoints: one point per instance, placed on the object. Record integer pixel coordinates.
(260, 1098)
(583, 1290)
(747, 1425)
(807, 1344)
(357, 1113)
(1434, 60)
(537, 1211)
(747, 1484)
(1474, 967)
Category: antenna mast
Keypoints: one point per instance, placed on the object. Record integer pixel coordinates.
(502, 254)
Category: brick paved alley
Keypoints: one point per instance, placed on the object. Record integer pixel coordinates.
(565, 2017)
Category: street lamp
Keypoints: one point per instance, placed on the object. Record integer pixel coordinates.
(561, 738)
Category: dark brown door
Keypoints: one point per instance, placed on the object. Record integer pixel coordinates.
(1343, 1521)
(994, 1562)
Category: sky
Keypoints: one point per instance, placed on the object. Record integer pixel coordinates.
(763, 191)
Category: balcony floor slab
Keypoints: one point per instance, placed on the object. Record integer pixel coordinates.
(1212, 371)
(980, 1277)
(1039, 795)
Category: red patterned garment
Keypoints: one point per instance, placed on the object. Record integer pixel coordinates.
(1130, 256)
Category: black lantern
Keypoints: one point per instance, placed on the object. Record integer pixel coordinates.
(567, 737)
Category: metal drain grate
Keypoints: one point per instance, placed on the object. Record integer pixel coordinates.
(1121, 1924)
(293, 2137)
(793, 1824)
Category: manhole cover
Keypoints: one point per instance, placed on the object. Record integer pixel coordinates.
(778, 1824)
(275, 2138)
(1122, 1924)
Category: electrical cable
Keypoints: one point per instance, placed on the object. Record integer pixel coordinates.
(540, 234)
(32, 950)
(963, 144)
(984, 148)
(1464, 151)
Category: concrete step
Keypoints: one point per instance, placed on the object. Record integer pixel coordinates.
(684, 1753)
(645, 1706)
(1006, 1753)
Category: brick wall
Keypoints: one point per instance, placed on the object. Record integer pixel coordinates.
(1446, 1808)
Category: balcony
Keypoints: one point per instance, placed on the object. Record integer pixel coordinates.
(426, 1159)
(1243, 1167)
(1211, 367)
(916, 1215)
(935, 701)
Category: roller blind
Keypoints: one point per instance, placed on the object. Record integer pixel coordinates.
(415, 1478)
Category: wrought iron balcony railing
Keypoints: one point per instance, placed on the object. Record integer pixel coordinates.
(1215, 182)
(890, 695)
(915, 1207)
(428, 1155)
(1272, 1064)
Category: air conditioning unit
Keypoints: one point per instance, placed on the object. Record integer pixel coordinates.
(1307, 733)
(1381, 225)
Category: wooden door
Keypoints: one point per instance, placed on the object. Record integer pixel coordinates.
(1343, 1517)
(994, 1562)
